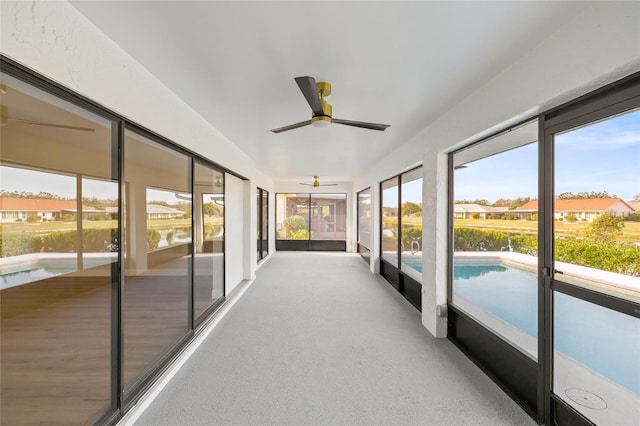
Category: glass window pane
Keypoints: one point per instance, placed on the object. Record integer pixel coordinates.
(259, 223)
(158, 253)
(495, 241)
(329, 217)
(265, 223)
(411, 220)
(364, 218)
(292, 216)
(99, 222)
(389, 226)
(596, 226)
(57, 249)
(596, 361)
(208, 267)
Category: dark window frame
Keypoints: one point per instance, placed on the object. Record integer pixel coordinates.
(122, 401)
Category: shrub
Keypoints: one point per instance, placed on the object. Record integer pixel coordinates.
(633, 217)
(153, 239)
(468, 239)
(475, 216)
(211, 230)
(411, 234)
(571, 217)
(300, 234)
(293, 224)
(612, 257)
(605, 228)
(15, 245)
(33, 218)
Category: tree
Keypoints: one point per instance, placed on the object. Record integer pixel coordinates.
(636, 198)
(512, 204)
(479, 202)
(605, 228)
(212, 209)
(585, 195)
(410, 208)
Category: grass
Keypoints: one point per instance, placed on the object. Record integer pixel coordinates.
(630, 232)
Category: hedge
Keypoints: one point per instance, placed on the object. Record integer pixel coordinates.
(93, 241)
(613, 257)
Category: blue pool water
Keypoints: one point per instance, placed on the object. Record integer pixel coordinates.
(606, 341)
(10, 279)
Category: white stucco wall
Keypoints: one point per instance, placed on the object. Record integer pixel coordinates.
(599, 46)
(234, 236)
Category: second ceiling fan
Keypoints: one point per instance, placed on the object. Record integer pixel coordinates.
(316, 183)
(321, 116)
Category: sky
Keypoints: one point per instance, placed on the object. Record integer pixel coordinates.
(600, 157)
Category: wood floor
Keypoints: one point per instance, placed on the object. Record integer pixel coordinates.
(55, 365)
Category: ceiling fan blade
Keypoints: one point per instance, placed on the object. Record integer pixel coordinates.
(291, 126)
(308, 88)
(305, 184)
(328, 184)
(59, 126)
(362, 124)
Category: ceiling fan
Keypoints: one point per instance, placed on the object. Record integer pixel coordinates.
(317, 183)
(321, 116)
(5, 120)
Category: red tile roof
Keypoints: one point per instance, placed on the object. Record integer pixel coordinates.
(579, 205)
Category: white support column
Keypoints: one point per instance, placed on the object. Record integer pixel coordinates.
(434, 236)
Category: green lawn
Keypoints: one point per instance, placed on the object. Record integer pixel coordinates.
(630, 232)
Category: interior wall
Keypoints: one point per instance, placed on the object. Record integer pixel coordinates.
(234, 247)
(599, 46)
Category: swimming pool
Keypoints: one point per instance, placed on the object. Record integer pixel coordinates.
(601, 339)
(34, 268)
(606, 341)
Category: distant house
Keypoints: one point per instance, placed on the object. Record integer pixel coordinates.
(635, 205)
(389, 211)
(477, 211)
(157, 211)
(583, 209)
(23, 209)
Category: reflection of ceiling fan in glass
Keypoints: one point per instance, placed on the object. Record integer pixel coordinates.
(6, 120)
(317, 183)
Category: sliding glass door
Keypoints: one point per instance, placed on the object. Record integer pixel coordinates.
(311, 222)
(262, 225)
(59, 247)
(401, 233)
(595, 263)
(208, 250)
(545, 278)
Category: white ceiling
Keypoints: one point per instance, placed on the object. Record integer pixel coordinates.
(398, 63)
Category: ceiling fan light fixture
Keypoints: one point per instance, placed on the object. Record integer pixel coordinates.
(321, 121)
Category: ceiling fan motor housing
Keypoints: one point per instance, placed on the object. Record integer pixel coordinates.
(324, 89)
